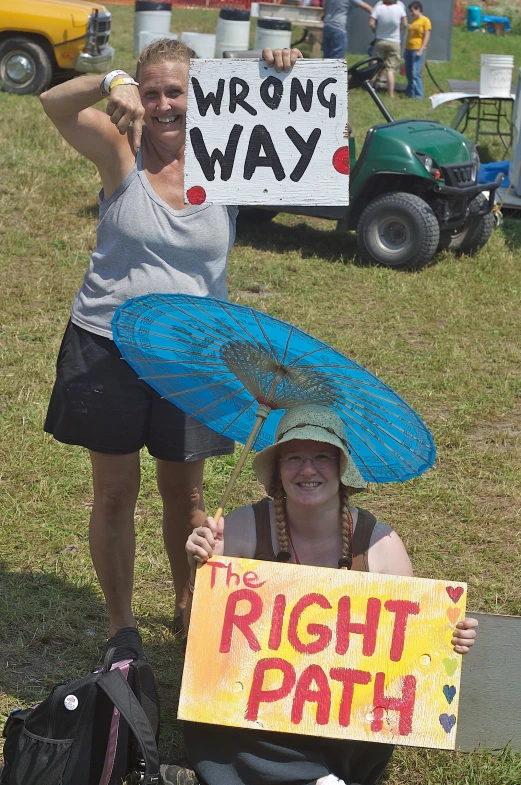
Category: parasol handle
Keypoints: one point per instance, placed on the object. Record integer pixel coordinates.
(262, 413)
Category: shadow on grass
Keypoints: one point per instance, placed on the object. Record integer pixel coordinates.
(310, 242)
(89, 211)
(328, 246)
(49, 631)
(52, 630)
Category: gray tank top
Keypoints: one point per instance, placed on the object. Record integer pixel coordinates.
(144, 246)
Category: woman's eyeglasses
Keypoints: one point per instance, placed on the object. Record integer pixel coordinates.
(321, 460)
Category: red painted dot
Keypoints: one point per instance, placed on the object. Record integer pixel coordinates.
(196, 194)
(341, 160)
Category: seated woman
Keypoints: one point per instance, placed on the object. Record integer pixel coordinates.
(310, 477)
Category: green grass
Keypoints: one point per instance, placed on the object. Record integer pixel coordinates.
(446, 338)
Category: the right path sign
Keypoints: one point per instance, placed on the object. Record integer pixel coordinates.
(324, 652)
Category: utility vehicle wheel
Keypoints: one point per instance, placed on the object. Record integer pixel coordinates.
(476, 232)
(25, 68)
(254, 215)
(398, 230)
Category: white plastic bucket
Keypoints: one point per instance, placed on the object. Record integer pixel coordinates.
(274, 33)
(203, 44)
(233, 31)
(146, 38)
(496, 75)
(152, 17)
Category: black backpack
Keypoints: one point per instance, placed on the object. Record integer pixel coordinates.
(101, 729)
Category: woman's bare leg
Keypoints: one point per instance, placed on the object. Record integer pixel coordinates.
(390, 83)
(181, 489)
(111, 533)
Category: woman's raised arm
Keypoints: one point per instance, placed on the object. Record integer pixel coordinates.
(99, 136)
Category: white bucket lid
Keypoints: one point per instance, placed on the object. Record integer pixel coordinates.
(505, 61)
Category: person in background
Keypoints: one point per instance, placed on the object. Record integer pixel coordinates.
(387, 19)
(336, 21)
(418, 38)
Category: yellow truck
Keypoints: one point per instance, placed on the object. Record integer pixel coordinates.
(44, 39)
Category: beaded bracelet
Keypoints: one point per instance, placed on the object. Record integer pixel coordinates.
(191, 587)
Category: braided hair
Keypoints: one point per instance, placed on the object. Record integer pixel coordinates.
(279, 502)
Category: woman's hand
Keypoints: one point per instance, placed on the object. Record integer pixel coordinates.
(125, 107)
(281, 59)
(205, 541)
(464, 635)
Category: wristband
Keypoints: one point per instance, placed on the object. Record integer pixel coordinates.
(123, 80)
(105, 82)
(191, 587)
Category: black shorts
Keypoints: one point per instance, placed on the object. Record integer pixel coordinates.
(99, 402)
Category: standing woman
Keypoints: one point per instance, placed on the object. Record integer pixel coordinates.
(148, 240)
(418, 37)
(310, 477)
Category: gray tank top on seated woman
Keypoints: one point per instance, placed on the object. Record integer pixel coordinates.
(144, 246)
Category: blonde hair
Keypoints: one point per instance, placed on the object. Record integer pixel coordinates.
(164, 50)
(346, 523)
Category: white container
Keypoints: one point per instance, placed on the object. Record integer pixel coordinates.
(496, 75)
(274, 33)
(146, 38)
(203, 44)
(233, 31)
(152, 17)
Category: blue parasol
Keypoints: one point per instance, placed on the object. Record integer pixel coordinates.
(236, 370)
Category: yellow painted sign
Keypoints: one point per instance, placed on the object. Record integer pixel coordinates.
(323, 652)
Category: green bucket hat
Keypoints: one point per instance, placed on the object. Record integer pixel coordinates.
(318, 424)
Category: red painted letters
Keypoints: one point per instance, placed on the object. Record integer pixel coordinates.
(345, 626)
(324, 633)
(243, 622)
(258, 695)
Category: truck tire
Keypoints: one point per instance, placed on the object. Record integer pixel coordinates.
(25, 67)
(474, 235)
(398, 230)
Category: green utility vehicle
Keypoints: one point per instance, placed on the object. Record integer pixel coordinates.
(413, 189)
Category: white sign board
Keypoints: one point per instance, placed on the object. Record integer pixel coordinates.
(255, 136)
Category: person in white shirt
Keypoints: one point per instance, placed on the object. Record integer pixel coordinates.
(387, 19)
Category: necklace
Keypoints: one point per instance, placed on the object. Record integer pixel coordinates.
(350, 525)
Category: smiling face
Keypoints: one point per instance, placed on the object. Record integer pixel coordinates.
(163, 89)
(310, 471)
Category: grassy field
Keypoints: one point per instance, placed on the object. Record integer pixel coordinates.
(446, 338)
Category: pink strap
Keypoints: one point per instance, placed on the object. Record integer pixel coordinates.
(112, 744)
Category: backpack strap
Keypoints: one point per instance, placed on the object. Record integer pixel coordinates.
(264, 548)
(121, 695)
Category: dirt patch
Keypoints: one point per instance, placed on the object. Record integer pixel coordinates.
(503, 433)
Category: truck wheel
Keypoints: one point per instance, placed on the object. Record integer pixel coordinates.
(398, 230)
(25, 68)
(474, 235)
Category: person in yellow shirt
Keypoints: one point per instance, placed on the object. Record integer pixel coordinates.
(419, 33)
